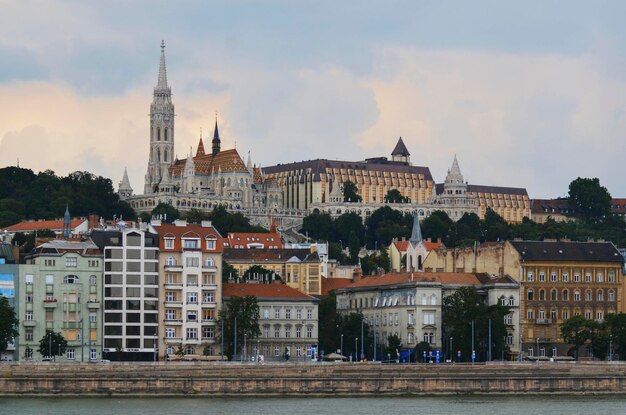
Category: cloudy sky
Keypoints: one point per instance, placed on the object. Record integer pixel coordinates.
(526, 94)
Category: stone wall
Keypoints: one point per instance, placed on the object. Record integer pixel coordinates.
(215, 379)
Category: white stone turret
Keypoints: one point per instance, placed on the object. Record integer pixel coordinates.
(124, 190)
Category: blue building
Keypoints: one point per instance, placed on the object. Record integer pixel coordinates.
(9, 273)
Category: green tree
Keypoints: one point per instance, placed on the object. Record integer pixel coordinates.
(196, 216)
(169, 212)
(591, 200)
(345, 225)
(52, 344)
(229, 272)
(318, 226)
(386, 223)
(350, 192)
(226, 222)
(616, 327)
(335, 251)
(241, 319)
(494, 227)
(260, 273)
(328, 323)
(576, 330)
(350, 326)
(8, 323)
(438, 226)
(394, 196)
(354, 247)
(394, 345)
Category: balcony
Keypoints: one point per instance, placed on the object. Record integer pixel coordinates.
(29, 323)
(69, 307)
(209, 304)
(173, 340)
(209, 286)
(93, 305)
(71, 324)
(543, 321)
(209, 340)
(209, 322)
(173, 303)
(51, 304)
(209, 268)
(174, 268)
(173, 286)
(172, 321)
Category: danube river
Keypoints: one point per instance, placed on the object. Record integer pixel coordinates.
(462, 405)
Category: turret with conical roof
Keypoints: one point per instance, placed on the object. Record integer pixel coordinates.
(200, 151)
(124, 190)
(67, 222)
(400, 153)
(416, 232)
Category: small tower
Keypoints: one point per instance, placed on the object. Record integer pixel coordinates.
(416, 252)
(200, 151)
(215, 147)
(124, 190)
(400, 153)
(67, 222)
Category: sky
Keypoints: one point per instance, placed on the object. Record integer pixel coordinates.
(526, 94)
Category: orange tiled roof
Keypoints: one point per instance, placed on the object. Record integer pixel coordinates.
(433, 246)
(228, 161)
(256, 173)
(401, 246)
(31, 226)
(269, 240)
(434, 277)
(167, 230)
(263, 291)
(331, 284)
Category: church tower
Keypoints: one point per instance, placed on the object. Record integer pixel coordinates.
(216, 143)
(161, 130)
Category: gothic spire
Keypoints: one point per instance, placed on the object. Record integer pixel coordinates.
(416, 233)
(216, 139)
(67, 222)
(454, 174)
(200, 151)
(162, 81)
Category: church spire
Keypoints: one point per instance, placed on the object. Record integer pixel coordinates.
(200, 151)
(162, 81)
(67, 222)
(216, 139)
(416, 233)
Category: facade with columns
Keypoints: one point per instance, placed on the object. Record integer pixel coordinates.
(201, 181)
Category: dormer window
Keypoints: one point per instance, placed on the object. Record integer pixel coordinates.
(210, 244)
(190, 243)
(169, 243)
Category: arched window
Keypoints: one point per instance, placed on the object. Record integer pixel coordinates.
(511, 301)
(432, 338)
(426, 338)
(542, 295)
(190, 350)
(502, 300)
(210, 262)
(433, 299)
(530, 294)
(565, 295)
(424, 299)
(588, 296)
(71, 279)
(170, 261)
(611, 295)
(600, 295)
(576, 295)
(553, 295)
(410, 338)
(93, 280)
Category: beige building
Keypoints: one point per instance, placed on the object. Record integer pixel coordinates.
(409, 305)
(288, 321)
(298, 268)
(190, 292)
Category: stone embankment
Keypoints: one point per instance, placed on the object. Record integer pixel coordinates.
(341, 379)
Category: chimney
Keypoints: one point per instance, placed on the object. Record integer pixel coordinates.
(206, 224)
(438, 240)
(92, 221)
(180, 222)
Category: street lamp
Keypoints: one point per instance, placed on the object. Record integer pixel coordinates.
(245, 351)
(537, 350)
(450, 352)
(356, 349)
(341, 349)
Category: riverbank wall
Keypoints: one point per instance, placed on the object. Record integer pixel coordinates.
(339, 379)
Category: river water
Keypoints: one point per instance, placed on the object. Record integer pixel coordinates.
(462, 405)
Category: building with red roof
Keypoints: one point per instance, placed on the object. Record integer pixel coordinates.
(288, 322)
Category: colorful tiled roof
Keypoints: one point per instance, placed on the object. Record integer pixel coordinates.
(264, 291)
(167, 231)
(401, 246)
(228, 161)
(268, 240)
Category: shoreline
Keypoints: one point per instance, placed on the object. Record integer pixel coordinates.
(236, 380)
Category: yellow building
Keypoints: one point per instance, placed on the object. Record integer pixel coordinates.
(298, 268)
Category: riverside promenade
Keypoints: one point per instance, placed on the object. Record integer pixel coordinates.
(311, 379)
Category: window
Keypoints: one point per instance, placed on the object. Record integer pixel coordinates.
(288, 313)
(588, 315)
(170, 332)
(298, 332)
(276, 351)
(93, 317)
(93, 354)
(530, 277)
(554, 351)
(565, 277)
(169, 243)
(530, 314)
(287, 331)
(424, 299)
(190, 243)
(28, 316)
(298, 351)
(599, 315)
(565, 314)
(190, 350)
(266, 313)
(192, 333)
(210, 244)
(93, 280)
(611, 295)
(553, 276)
(29, 279)
(309, 332)
(542, 351)
(192, 262)
(511, 301)
(600, 277)
(611, 276)
(411, 319)
(28, 335)
(600, 295)
(170, 296)
(276, 331)
(508, 319)
(192, 298)
(509, 339)
(170, 261)
(71, 279)
(531, 352)
(396, 319)
(587, 277)
(70, 354)
(576, 295)
(298, 313)
(71, 262)
(542, 295)
(542, 276)
(208, 332)
(553, 314)
(529, 294)
(502, 300)
(409, 338)
(433, 300)
(192, 315)
(276, 313)
(429, 318)
(170, 314)
(565, 295)
(553, 295)
(29, 298)
(309, 314)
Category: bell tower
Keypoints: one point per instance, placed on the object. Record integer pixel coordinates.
(161, 130)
